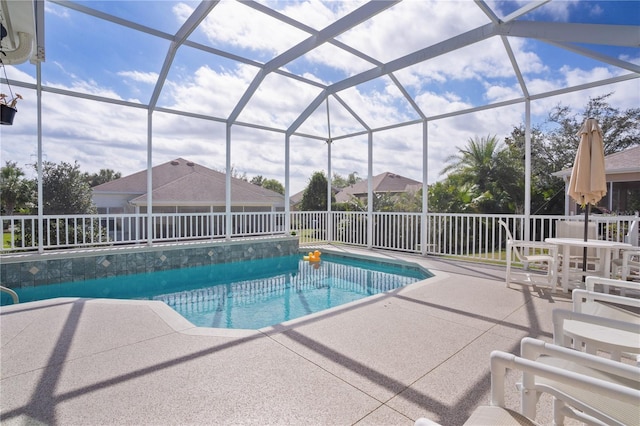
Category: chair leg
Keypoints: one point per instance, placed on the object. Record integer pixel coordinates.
(508, 272)
(553, 271)
(558, 415)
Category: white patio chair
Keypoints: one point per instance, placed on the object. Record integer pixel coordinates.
(611, 398)
(627, 266)
(582, 385)
(530, 253)
(605, 285)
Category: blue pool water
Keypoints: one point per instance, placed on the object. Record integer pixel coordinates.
(248, 295)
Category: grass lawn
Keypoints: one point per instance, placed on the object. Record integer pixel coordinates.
(6, 239)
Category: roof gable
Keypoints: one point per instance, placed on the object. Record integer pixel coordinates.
(184, 182)
(385, 182)
(619, 162)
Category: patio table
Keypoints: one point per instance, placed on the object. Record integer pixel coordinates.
(605, 250)
(598, 337)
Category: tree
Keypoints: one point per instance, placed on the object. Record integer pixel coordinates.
(340, 182)
(65, 190)
(257, 180)
(314, 197)
(620, 129)
(104, 176)
(270, 184)
(546, 190)
(447, 196)
(273, 185)
(486, 172)
(410, 201)
(475, 163)
(15, 190)
(555, 149)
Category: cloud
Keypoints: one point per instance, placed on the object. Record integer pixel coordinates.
(101, 135)
(232, 23)
(140, 77)
(631, 59)
(60, 12)
(498, 93)
(556, 10)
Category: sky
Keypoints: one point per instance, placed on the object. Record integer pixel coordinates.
(101, 59)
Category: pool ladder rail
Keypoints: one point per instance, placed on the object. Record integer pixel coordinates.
(13, 294)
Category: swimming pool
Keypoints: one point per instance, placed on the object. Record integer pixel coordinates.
(246, 295)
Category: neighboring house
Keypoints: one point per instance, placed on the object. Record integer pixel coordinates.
(296, 198)
(623, 183)
(385, 183)
(182, 186)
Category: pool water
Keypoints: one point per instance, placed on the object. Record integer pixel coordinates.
(245, 295)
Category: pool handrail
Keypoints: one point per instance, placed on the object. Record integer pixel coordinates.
(12, 293)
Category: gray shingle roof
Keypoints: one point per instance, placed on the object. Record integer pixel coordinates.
(181, 181)
(619, 162)
(383, 183)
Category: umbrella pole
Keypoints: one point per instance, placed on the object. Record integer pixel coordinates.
(586, 237)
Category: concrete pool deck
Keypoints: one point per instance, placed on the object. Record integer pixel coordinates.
(420, 351)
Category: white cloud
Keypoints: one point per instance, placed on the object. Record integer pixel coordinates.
(628, 58)
(61, 12)
(596, 10)
(577, 76)
(238, 25)
(140, 77)
(557, 10)
(495, 93)
(101, 135)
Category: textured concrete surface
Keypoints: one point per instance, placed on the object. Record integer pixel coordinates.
(421, 351)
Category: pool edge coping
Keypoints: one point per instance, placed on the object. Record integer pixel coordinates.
(180, 324)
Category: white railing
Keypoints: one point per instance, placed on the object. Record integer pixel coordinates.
(469, 235)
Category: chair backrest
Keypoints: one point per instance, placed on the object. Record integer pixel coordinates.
(506, 229)
(591, 281)
(507, 232)
(632, 235)
(575, 229)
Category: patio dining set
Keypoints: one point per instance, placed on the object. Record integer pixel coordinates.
(569, 258)
(591, 369)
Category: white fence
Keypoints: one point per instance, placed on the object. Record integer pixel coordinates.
(469, 235)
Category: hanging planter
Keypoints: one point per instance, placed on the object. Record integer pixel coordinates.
(8, 109)
(7, 114)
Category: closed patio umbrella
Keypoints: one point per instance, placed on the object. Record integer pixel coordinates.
(588, 182)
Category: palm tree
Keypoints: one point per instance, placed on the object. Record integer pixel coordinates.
(488, 172)
(475, 163)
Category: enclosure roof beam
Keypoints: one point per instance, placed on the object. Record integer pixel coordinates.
(181, 36)
(610, 35)
(363, 13)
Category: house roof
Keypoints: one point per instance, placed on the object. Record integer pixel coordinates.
(383, 183)
(183, 182)
(627, 161)
(297, 197)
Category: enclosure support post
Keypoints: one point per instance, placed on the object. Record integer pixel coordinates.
(150, 177)
(424, 228)
(370, 189)
(287, 201)
(39, 166)
(227, 201)
(329, 225)
(527, 171)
